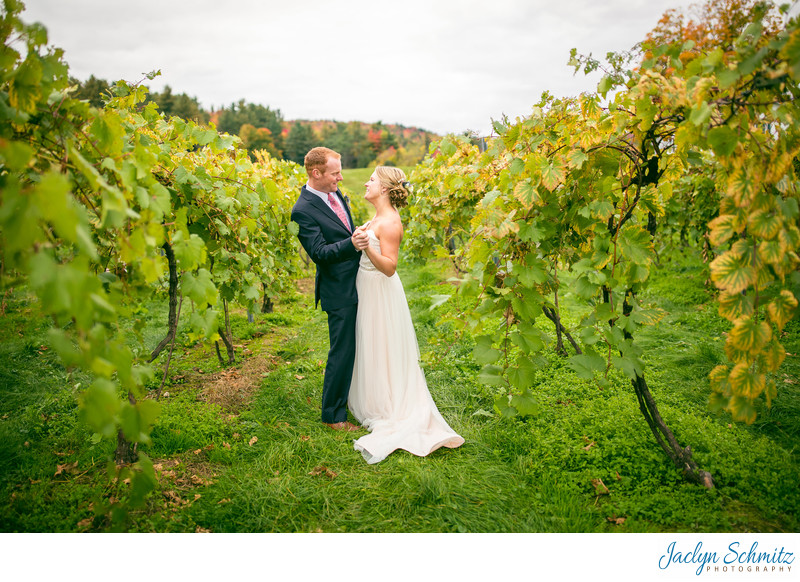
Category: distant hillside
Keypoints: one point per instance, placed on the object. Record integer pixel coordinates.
(260, 127)
(400, 131)
(361, 144)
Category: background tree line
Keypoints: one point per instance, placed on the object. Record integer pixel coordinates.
(263, 128)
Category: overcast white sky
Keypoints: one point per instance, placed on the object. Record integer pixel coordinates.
(442, 65)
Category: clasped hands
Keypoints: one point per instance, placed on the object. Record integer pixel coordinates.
(360, 237)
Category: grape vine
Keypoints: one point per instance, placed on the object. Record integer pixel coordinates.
(572, 197)
(101, 207)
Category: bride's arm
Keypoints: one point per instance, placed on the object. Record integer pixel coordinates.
(386, 260)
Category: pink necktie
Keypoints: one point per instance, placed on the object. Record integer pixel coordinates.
(337, 208)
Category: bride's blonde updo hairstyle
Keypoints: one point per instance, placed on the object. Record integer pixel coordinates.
(393, 180)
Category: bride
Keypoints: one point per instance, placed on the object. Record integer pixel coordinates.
(388, 393)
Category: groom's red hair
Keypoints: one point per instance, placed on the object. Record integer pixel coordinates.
(318, 158)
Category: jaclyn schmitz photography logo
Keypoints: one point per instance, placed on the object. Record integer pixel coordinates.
(736, 557)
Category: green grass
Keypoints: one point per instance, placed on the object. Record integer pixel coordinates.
(354, 180)
(353, 186)
(266, 464)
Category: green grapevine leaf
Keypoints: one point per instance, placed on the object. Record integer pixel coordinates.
(491, 375)
(100, 406)
(636, 244)
(526, 404)
(632, 366)
(722, 140)
(483, 351)
(585, 365)
(523, 374)
(700, 113)
(437, 300)
(200, 287)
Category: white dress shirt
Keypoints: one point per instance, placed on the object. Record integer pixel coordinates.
(322, 195)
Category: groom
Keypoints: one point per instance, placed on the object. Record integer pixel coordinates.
(328, 235)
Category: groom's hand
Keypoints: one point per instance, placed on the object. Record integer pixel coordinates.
(360, 239)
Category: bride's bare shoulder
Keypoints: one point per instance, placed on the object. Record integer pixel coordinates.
(390, 226)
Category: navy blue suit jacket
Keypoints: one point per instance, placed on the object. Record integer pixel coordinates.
(328, 244)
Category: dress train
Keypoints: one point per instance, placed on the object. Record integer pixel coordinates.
(388, 394)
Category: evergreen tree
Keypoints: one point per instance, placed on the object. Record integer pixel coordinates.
(238, 114)
(179, 105)
(300, 139)
(351, 141)
(93, 90)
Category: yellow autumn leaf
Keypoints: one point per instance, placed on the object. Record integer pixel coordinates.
(732, 306)
(770, 252)
(735, 354)
(525, 192)
(719, 379)
(731, 272)
(764, 224)
(750, 335)
(742, 186)
(786, 265)
(552, 174)
(781, 309)
(789, 238)
(779, 165)
(771, 391)
(721, 229)
(589, 138)
(773, 356)
(742, 409)
(764, 276)
(745, 382)
(743, 248)
(719, 374)
(718, 401)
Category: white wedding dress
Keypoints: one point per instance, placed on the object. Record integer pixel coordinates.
(388, 393)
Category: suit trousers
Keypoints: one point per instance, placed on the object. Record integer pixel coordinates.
(339, 369)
